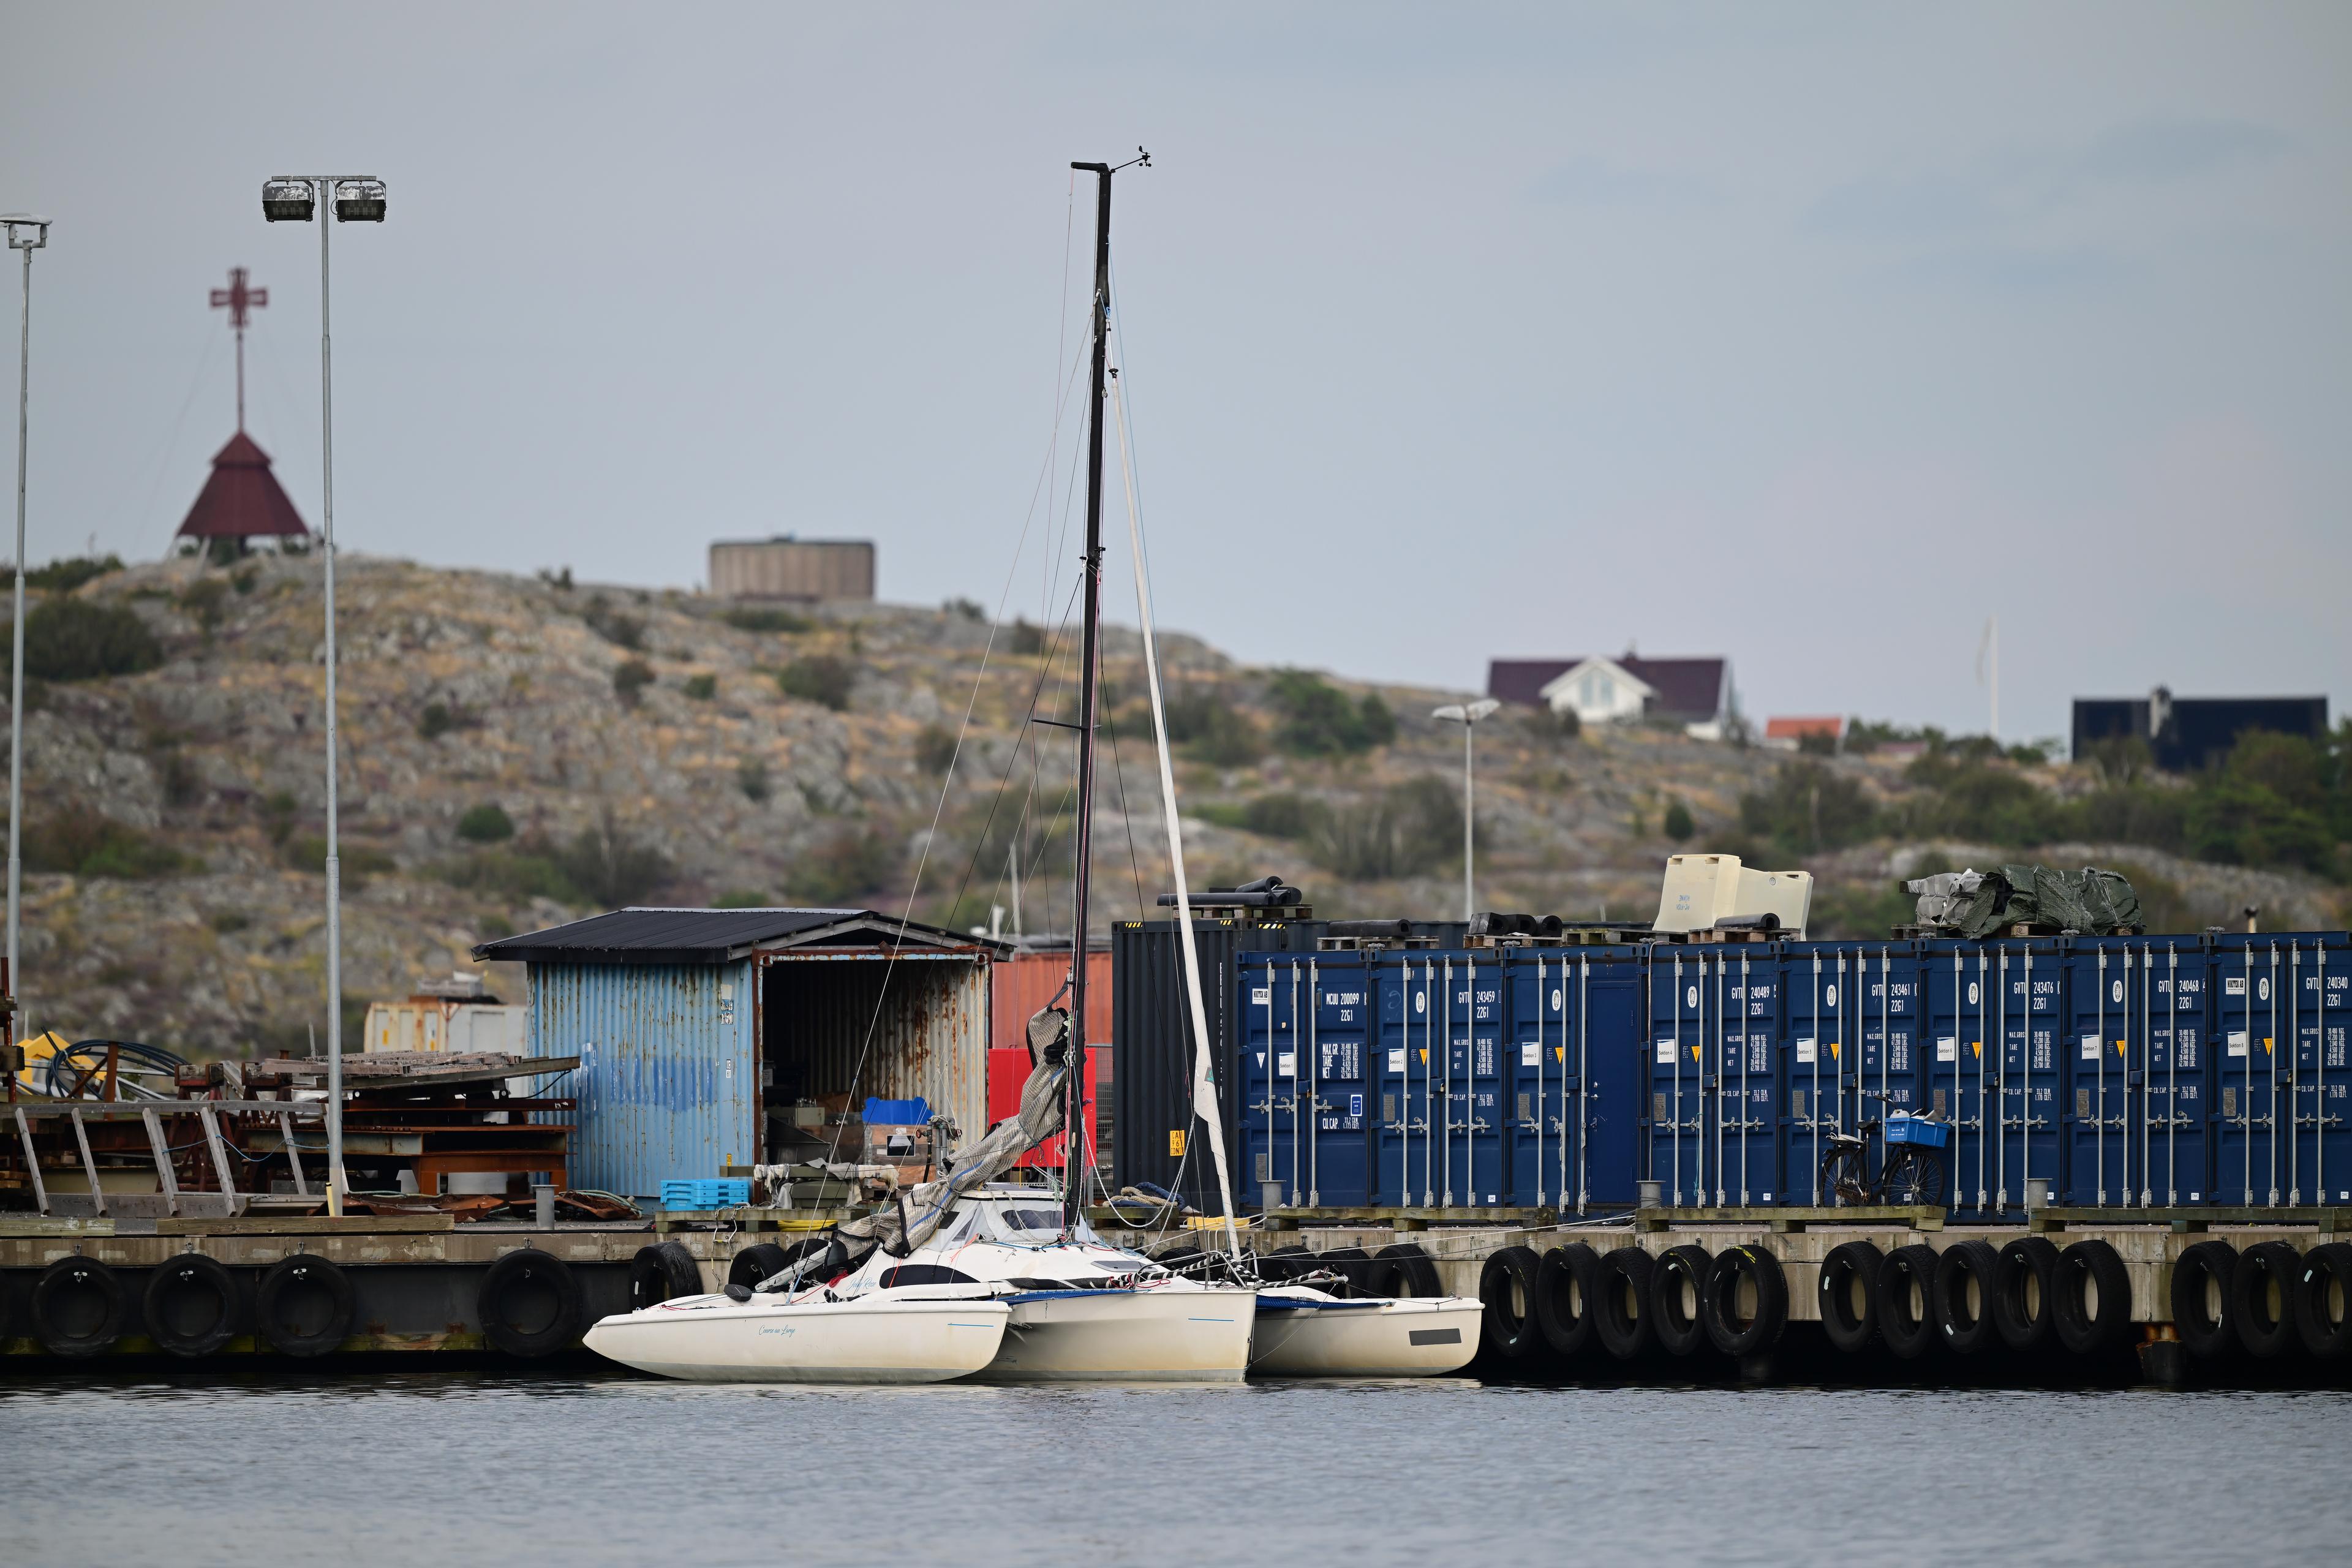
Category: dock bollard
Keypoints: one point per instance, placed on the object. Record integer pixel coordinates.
(1649, 1195)
(544, 1193)
(2037, 1193)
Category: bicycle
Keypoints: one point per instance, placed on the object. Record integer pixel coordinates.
(1909, 1173)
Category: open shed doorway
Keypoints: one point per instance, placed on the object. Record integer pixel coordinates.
(837, 1029)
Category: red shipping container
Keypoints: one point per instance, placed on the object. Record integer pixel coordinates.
(1008, 1070)
(1026, 982)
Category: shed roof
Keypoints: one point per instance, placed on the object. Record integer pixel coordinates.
(638, 935)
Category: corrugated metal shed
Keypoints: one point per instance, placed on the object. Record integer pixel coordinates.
(684, 1019)
(1028, 981)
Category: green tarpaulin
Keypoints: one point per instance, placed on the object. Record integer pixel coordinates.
(2092, 902)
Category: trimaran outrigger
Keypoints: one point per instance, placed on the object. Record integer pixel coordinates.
(968, 1277)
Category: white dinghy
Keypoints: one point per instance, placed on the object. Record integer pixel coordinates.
(1305, 1332)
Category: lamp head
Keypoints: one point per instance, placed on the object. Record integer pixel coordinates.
(285, 200)
(359, 201)
(26, 231)
(1466, 712)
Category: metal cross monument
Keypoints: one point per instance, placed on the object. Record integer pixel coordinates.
(239, 299)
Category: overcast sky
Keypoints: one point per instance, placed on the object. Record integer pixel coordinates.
(1806, 334)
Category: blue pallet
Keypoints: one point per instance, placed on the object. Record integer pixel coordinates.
(705, 1193)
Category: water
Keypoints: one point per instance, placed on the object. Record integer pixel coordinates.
(450, 1468)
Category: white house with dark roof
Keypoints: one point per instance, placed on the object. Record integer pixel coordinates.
(1693, 692)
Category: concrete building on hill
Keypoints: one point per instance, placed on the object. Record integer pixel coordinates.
(804, 571)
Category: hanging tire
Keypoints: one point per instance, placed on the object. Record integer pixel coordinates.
(1506, 1289)
(1849, 1295)
(2024, 1279)
(2093, 1302)
(1353, 1263)
(665, 1271)
(1621, 1306)
(1677, 1294)
(1907, 1302)
(76, 1308)
(1967, 1273)
(529, 1304)
(1403, 1269)
(1567, 1280)
(2201, 1299)
(761, 1260)
(304, 1306)
(1286, 1265)
(190, 1305)
(2323, 1301)
(1745, 1304)
(2262, 1299)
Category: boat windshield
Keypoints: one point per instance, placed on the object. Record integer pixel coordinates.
(1029, 1224)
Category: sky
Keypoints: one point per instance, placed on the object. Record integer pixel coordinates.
(1811, 336)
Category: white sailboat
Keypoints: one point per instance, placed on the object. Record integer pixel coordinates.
(915, 1335)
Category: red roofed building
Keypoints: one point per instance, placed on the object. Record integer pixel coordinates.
(243, 500)
(1790, 734)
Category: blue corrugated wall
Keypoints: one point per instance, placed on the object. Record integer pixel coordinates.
(667, 1081)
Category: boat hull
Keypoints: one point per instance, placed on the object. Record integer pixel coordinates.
(858, 1341)
(1126, 1336)
(1409, 1337)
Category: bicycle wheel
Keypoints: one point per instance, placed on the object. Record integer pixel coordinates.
(1914, 1176)
(1844, 1176)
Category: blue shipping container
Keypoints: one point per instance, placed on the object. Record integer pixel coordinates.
(1575, 1071)
(1271, 1077)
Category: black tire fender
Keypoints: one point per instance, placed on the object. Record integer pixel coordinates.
(1403, 1269)
(190, 1305)
(1506, 1288)
(1621, 1307)
(1567, 1280)
(2093, 1303)
(1907, 1302)
(2024, 1279)
(761, 1260)
(304, 1305)
(1745, 1304)
(665, 1271)
(529, 1304)
(2323, 1301)
(76, 1308)
(1352, 1262)
(1849, 1295)
(1965, 1285)
(2201, 1299)
(2262, 1299)
(1678, 1296)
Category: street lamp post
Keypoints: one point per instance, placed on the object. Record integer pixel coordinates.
(1467, 715)
(28, 234)
(357, 198)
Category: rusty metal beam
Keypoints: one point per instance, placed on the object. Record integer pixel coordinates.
(89, 1167)
(163, 1176)
(32, 1160)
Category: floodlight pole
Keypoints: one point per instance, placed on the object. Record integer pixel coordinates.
(323, 190)
(28, 234)
(1467, 715)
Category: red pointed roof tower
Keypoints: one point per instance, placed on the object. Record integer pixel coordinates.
(243, 500)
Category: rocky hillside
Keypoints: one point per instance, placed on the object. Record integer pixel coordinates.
(518, 752)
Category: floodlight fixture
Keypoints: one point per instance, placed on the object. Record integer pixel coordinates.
(359, 201)
(26, 231)
(285, 200)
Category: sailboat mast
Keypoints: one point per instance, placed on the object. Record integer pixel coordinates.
(1074, 1150)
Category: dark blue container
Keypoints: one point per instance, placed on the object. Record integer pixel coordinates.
(1471, 996)
(2137, 1071)
(1544, 1069)
(2035, 1014)
(1339, 1143)
(1609, 1054)
(1405, 989)
(1713, 1072)
(1959, 982)
(1749, 1098)
(1821, 1054)
(1273, 1076)
(1685, 1056)
(1890, 1006)
(2281, 1014)
(2323, 1069)
(2182, 1068)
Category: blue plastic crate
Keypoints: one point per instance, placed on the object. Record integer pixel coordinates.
(705, 1193)
(1917, 1131)
(898, 1113)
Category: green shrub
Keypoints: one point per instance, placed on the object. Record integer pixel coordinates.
(702, 688)
(1025, 639)
(630, 678)
(747, 619)
(277, 816)
(435, 721)
(852, 864)
(821, 679)
(611, 867)
(1284, 815)
(66, 574)
(751, 778)
(965, 609)
(1810, 807)
(308, 852)
(486, 823)
(1408, 829)
(1319, 721)
(1210, 730)
(620, 630)
(85, 842)
(935, 749)
(206, 599)
(73, 639)
(228, 922)
(1678, 823)
(740, 898)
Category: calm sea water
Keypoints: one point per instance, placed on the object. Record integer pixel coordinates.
(445, 1469)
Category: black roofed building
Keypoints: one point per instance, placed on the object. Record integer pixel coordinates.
(1694, 693)
(712, 1038)
(2184, 734)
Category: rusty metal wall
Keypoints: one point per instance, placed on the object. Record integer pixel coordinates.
(668, 1083)
(1027, 981)
(929, 1036)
